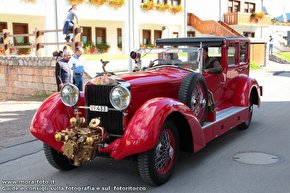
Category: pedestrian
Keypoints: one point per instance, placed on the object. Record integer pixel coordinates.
(69, 22)
(271, 45)
(78, 67)
(59, 54)
(63, 69)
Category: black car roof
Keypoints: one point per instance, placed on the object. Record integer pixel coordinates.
(195, 41)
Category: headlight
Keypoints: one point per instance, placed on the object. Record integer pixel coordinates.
(120, 97)
(69, 95)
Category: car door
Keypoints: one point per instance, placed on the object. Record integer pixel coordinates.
(216, 81)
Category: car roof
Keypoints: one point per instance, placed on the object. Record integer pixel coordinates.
(195, 41)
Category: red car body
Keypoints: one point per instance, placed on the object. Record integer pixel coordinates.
(155, 99)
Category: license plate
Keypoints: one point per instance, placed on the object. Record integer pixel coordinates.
(98, 108)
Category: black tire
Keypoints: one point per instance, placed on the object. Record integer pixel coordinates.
(246, 124)
(156, 173)
(193, 92)
(57, 159)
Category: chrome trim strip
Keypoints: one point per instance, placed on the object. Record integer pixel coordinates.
(223, 114)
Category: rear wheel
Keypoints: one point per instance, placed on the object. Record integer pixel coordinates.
(246, 124)
(57, 159)
(193, 92)
(157, 165)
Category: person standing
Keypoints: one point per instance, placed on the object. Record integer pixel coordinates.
(63, 69)
(69, 22)
(271, 45)
(78, 67)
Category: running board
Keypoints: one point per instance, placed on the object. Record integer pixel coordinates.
(224, 114)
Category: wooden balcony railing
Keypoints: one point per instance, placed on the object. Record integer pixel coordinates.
(208, 26)
(6, 37)
(237, 18)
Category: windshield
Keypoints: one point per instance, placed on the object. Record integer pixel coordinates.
(183, 57)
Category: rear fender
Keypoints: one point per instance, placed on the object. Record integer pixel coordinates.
(243, 91)
(143, 131)
(52, 116)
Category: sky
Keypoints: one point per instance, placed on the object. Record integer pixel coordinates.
(276, 7)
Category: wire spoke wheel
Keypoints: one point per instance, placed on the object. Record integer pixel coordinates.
(164, 152)
(193, 93)
(198, 101)
(157, 165)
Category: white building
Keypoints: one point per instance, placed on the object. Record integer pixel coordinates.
(129, 26)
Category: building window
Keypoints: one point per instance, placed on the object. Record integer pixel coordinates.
(101, 35)
(146, 37)
(175, 34)
(20, 28)
(237, 6)
(176, 2)
(230, 6)
(250, 7)
(172, 2)
(157, 34)
(163, 2)
(87, 35)
(3, 25)
(191, 34)
(234, 6)
(249, 34)
(119, 37)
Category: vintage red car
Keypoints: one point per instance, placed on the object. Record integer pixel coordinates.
(194, 90)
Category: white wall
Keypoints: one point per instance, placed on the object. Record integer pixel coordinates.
(207, 9)
(19, 7)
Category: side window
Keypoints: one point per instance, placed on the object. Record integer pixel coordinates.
(3, 25)
(214, 52)
(232, 54)
(243, 52)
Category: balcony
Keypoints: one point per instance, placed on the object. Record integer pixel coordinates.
(210, 27)
(237, 18)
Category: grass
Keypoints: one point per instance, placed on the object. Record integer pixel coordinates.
(284, 55)
(254, 66)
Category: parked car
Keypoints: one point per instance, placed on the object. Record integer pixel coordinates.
(172, 103)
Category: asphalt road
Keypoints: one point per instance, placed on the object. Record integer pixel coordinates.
(256, 160)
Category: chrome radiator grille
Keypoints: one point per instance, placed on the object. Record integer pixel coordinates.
(112, 120)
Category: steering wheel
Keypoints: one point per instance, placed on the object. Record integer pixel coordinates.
(152, 63)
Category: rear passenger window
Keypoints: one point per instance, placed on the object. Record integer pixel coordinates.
(243, 52)
(232, 54)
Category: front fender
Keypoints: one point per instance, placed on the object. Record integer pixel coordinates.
(52, 116)
(143, 131)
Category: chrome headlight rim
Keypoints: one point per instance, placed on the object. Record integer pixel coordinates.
(71, 91)
(127, 101)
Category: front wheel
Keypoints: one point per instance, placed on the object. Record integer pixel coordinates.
(57, 159)
(157, 165)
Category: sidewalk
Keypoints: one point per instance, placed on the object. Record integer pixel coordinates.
(15, 119)
(271, 68)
